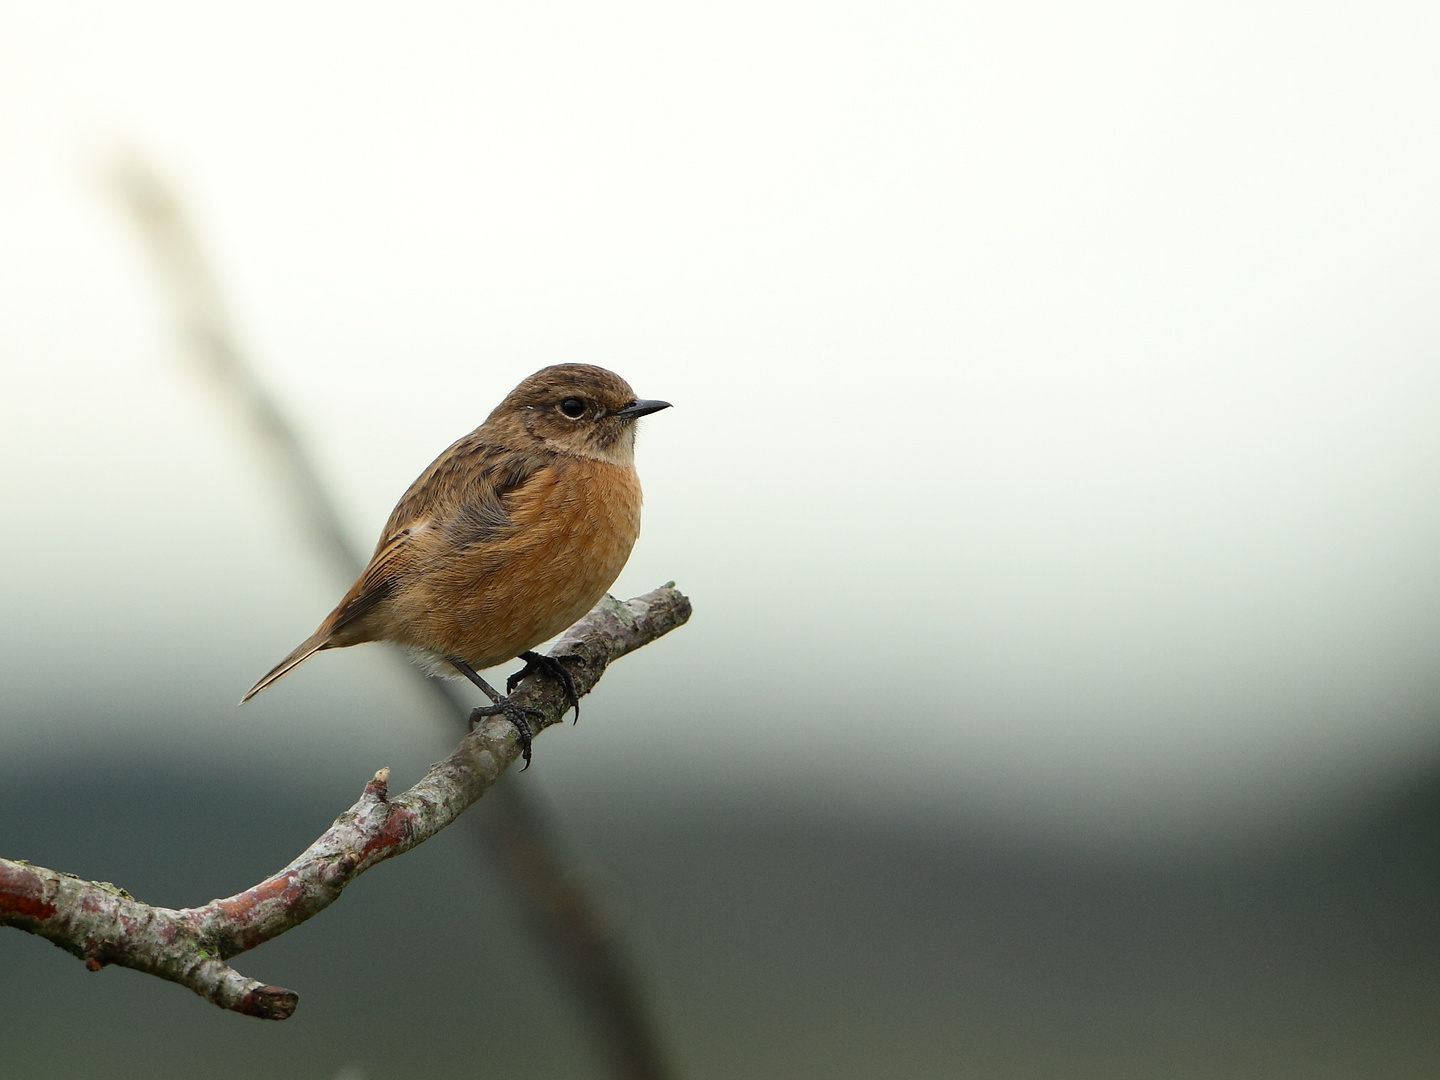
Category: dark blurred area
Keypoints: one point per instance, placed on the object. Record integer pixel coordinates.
(775, 938)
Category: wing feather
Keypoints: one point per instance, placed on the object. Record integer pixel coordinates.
(463, 499)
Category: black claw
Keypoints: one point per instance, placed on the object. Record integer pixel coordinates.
(517, 715)
(550, 666)
(510, 710)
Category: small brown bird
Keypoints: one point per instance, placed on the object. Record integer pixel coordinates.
(506, 539)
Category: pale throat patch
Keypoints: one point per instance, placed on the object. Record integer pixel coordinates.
(621, 452)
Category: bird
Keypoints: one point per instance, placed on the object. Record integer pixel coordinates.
(511, 535)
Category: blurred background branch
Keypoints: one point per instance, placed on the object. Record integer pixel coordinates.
(513, 830)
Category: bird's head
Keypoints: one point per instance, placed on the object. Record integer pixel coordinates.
(575, 409)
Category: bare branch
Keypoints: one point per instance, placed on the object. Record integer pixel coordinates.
(103, 924)
(515, 827)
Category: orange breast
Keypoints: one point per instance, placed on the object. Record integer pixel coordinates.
(571, 532)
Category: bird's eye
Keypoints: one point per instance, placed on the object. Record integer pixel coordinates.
(573, 407)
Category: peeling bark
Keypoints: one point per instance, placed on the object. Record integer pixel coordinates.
(103, 924)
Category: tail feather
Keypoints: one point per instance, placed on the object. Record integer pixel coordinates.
(307, 648)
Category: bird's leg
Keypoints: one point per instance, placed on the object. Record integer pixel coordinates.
(502, 706)
(551, 666)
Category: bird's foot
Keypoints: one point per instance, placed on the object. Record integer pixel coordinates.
(517, 714)
(551, 666)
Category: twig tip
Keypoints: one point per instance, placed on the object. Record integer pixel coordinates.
(268, 1003)
(379, 787)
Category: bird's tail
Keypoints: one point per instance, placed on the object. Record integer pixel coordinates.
(311, 645)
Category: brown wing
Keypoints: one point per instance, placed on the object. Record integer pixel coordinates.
(464, 497)
(465, 494)
(471, 472)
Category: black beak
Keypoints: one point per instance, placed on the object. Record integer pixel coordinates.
(641, 408)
